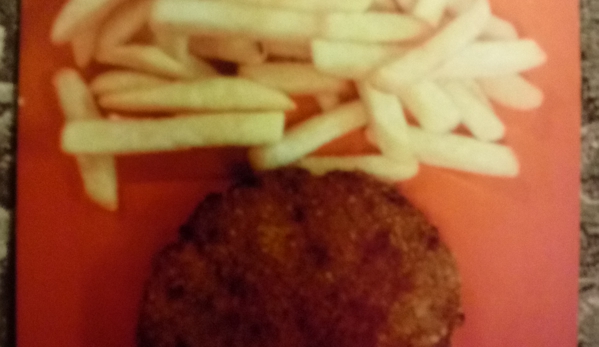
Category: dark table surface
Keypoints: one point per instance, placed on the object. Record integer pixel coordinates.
(589, 274)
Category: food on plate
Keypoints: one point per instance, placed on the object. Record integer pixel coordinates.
(427, 72)
(289, 259)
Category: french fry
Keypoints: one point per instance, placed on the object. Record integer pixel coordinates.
(84, 46)
(476, 115)
(216, 18)
(480, 59)
(431, 106)
(150, 59)
(463, 153)
(127, 20)
(221, 18)
(313, 5)
(419, 62)
(122, 80)
(327, 101)
(294, 78)
(513, 91)
(77, 16)
(308, 136)
(384, 6)
(349, 59)
(98, 172)
(499, 29)
(287, 50)
(217, 94)
(494, 58)
(236, 50)
(430, 11)
(377, 165)
(388, 123)
(170, 134)
(372, 27)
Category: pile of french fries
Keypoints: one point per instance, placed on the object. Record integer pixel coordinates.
(191, 73)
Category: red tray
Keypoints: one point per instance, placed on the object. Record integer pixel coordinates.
(81, 270)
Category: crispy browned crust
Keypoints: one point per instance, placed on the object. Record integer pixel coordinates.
(295, 260)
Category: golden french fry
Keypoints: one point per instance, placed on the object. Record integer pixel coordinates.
(221, 18)
(294, 78)
(388, 124)
(127, 20)
(148, 59)
(512, 91)
(377, 165)
(384, 6)
(217, 94)
(421, 61)
(313, 5)
(84, 46)
(327, 101)
(171, 134)
(463, 153)
(430, 11)
(499, 29)
(308, 136)
(237, 50)
(351, 60)
(98, 172)
(372, 27)
(431, 106)
(122, 80)
(77, 16)
(476, 115)
(494, 58)
(287, 50)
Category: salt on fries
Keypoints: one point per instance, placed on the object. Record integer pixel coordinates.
(438, 63)
(98, 172)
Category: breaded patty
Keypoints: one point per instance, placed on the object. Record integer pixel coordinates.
(291, 259)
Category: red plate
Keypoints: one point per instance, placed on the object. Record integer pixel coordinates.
(81, 270)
